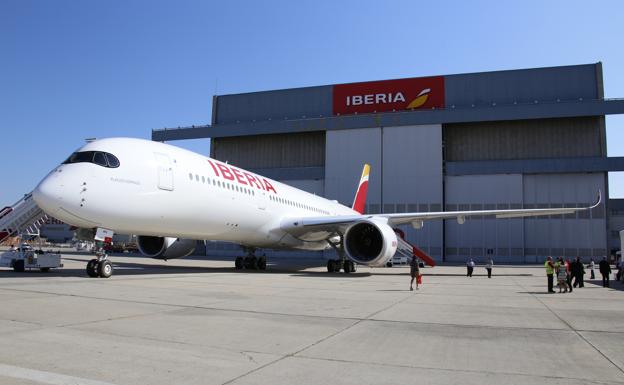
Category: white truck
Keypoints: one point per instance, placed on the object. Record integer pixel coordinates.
(24, 257)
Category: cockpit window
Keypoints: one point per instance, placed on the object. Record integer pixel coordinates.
(103, 159)
(100, 159)
(113, 162)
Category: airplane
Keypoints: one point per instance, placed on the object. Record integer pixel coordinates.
(170, 197)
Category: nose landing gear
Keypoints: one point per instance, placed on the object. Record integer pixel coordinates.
(100, 267)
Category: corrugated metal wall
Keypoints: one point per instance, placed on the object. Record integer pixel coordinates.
(306, 149)
(522, 86)
(294, 103)
(479, 236)
(524, 139)
(528, 239)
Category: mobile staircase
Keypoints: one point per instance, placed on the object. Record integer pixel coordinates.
(23, 217)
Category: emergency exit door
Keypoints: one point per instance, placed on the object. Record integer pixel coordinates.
(165, 171)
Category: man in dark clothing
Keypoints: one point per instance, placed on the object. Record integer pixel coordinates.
(577, 272)
(605, 270)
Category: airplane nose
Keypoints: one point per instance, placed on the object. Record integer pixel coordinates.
(49, 194)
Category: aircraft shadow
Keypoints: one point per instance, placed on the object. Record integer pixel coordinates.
(137, 269)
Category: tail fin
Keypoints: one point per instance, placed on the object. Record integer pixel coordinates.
(360, 196)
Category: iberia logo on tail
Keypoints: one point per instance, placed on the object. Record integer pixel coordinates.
(389, 95)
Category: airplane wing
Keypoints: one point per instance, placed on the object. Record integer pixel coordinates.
(299, 226)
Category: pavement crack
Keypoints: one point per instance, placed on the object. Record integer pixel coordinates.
(581, 336)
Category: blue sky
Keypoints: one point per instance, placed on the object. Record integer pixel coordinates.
(71, 70)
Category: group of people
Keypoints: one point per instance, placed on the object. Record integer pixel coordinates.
(470, 265)
(571, 273)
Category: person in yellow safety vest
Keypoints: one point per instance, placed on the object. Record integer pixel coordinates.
(550, 271)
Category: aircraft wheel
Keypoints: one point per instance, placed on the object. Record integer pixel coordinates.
(238, 263)
(18, 265)
(389, 264)
(330, 266)
(337, 266)
(352, 267)
(262, 264)
(105, 269)
(92, 268)
(251, 263)
(346, 267)
(44, 269)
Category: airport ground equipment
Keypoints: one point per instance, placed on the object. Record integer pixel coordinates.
(24, 258)
(22, 217)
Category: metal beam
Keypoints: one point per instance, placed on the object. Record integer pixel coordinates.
(540, 110)
(535, 166)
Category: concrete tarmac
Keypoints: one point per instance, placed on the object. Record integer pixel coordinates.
(193, 321)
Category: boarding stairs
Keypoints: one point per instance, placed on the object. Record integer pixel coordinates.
(410, 251)
(23, 217)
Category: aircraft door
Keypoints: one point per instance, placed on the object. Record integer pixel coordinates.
(165, 171)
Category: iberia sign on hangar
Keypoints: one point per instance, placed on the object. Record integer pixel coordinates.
(389, 95)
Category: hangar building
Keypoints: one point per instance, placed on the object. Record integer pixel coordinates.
(528, 138)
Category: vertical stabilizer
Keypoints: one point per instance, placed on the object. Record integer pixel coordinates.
(360, 196)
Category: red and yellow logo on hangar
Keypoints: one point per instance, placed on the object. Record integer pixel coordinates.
(389, 95)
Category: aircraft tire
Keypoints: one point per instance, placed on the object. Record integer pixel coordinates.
(346, 267)
(330, 266)
(262, 263)
(105, 269)
(18, 265)
(238, 263)
(337, 266)
(251, 263)
(92, 268)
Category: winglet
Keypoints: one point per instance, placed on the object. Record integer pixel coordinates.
(360, 196)
(598, 201)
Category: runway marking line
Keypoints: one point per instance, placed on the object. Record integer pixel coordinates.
(46, 377)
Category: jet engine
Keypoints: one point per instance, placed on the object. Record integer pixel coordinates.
(370, 242)
(165, 247)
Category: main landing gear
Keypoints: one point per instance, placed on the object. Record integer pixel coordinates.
(335, 265)
(100, 267)
(251, 262)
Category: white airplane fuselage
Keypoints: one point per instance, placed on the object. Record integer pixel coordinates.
(162, 190)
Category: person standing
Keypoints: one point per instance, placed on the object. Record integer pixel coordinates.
(414, 272)
(488, 267)
(577, 272)
(470, 267)
(550, 270)
(568, 269)
(562, 276)
(605, 271)
(591, 269)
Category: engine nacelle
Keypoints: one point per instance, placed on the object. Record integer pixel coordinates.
(165, 247)
(370, 242)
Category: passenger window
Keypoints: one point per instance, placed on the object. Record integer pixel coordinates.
(203, 179)
(190, 176)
